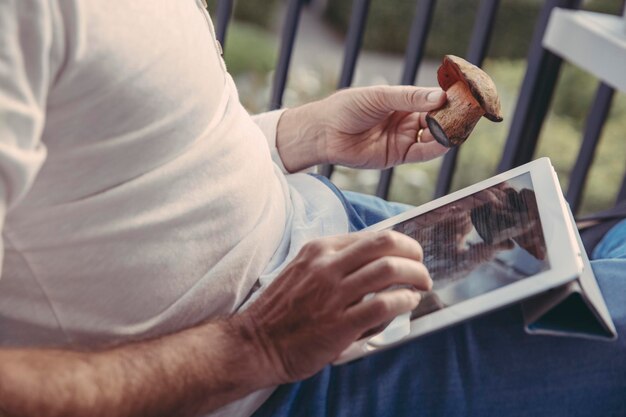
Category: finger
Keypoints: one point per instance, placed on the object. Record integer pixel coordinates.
(335, 243)
(374, 246)
(375, 330)
(422, 119)
(419, 152)
(408, 98)
(409, 122)
(427, 136)
(383, 273)
(381, 308)
(412, 124)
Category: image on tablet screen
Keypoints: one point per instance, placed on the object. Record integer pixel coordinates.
(479, 243)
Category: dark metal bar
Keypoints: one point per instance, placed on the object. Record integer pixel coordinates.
(384, 183)
(536, 93)
(593, 129)
(224, 12)
(476, 53)
(414, 54)
(354, 40)
(288, 38)
(482, 31)
(621, 196)
(420, 27)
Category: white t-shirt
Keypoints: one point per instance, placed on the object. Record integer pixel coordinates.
(138, 196)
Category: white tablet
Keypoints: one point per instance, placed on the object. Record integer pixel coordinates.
(487, 246)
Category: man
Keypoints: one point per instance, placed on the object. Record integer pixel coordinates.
(155, 251)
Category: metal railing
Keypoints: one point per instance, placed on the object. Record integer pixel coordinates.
(533, 101)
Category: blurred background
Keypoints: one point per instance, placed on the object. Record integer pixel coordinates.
(251, 49)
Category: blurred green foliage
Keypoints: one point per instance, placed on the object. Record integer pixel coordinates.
(260, 13)
(389, 23)
(249, 49)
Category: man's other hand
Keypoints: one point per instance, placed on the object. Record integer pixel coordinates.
(369, 127)
(316, 307)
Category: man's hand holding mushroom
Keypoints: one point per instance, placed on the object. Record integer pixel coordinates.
(370, 127)
(384, 126)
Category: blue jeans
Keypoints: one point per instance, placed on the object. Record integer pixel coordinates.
(485, 367)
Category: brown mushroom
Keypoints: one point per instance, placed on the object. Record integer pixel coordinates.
(471, 94)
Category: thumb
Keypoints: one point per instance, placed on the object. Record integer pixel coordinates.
(409, 98)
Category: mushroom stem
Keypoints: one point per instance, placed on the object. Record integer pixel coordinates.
(452, 124)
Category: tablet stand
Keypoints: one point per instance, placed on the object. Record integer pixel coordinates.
(575, 309)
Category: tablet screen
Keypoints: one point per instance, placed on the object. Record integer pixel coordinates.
(479, 243)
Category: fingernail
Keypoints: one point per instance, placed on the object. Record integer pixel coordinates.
(417, 296)
(434, 96)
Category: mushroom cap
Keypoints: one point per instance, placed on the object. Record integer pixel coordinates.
(481, 86)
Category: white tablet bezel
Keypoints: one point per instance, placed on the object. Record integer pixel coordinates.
(561, 249)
